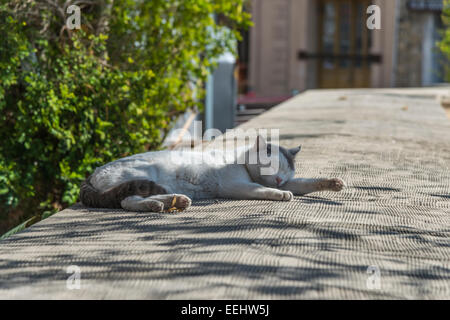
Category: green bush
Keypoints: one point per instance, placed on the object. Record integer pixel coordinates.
(71, 100)
(445, 43)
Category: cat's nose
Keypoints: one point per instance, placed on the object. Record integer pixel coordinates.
(278, 180)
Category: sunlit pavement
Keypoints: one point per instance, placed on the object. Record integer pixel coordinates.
(386, 236)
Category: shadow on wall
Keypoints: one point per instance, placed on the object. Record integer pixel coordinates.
(180, 248)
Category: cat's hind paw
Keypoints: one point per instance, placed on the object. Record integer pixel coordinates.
(183, 202)
(138, 204)
(179, 203)
(154, 206)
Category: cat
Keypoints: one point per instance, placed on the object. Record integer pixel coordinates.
(154, 182)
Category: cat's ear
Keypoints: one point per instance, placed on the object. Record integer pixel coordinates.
(260, 143)
(295, 151)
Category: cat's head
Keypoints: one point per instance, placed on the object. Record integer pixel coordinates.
(274, 165)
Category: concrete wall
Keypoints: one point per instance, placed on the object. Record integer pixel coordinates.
(281, 29)
(408, 68)
(270, 46)
(383, 44)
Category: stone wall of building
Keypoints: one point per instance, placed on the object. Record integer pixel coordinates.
(409, 53)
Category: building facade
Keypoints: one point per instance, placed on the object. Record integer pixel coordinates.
(295, 45)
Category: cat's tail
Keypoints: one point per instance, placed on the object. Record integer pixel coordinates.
(91, 197)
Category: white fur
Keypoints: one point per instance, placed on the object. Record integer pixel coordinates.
(200, 175)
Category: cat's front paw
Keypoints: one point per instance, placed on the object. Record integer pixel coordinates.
(278, 195)
(287, 196)
(336, 184)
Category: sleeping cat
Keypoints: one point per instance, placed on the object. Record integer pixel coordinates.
(153, 181)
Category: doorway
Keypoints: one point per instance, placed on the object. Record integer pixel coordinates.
(344, 44)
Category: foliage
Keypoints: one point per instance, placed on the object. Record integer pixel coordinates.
(444, 45)
(71, 100)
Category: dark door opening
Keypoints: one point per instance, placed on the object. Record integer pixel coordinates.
(344, 44)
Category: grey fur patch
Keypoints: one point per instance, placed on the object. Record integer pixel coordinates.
(289, 157)
(285, 152)
(91, 197)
